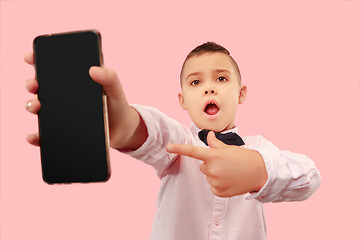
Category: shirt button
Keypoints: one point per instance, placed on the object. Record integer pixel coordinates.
(217, 222)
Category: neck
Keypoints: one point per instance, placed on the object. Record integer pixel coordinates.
(195, 129)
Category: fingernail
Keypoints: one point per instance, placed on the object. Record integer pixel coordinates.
(28, 105)
(98, 69)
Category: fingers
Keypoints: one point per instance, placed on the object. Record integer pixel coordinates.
(33, 139)
(31, 85)
(203, 154)
(109, 80)
(29, 58)
(33, 106)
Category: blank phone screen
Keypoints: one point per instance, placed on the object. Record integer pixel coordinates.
(71, 118)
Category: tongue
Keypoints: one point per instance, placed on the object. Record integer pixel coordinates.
(211, 109)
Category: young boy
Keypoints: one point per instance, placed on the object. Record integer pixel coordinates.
(207, 192)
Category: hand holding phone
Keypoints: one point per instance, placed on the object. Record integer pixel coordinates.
(126, 129)
(73, 129)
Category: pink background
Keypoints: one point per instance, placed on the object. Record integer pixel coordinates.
(300, 60)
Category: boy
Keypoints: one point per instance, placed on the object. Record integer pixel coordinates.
(207, 192)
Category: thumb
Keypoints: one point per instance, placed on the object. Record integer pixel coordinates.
(213, 142)
(109, 80)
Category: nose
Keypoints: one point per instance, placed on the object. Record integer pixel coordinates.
(210, 90)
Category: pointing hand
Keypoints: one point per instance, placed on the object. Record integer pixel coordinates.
(230, 170)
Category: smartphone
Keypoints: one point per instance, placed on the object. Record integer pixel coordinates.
(73, 124)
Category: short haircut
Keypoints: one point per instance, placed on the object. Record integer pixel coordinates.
(210, 47)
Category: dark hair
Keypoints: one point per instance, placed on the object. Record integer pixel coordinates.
(210, 47)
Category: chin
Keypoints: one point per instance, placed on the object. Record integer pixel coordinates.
(215, 126)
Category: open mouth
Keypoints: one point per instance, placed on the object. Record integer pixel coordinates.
(211, 108)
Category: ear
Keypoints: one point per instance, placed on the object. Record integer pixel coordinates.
(242, 95)
(182, 100)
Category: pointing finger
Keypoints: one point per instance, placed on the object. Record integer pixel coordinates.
(203, 154)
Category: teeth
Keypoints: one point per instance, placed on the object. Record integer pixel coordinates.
(209, 105)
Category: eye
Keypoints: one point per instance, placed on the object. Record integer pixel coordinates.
(221, 79)
(194, 83)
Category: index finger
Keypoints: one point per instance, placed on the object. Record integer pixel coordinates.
(29, 58)
(201, 153)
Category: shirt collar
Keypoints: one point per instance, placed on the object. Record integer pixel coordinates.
(195, 130)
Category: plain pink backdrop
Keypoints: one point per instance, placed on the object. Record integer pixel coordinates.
(300, 60)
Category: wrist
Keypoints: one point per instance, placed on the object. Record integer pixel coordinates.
(130, 133)
(260, 172)
(122, 127)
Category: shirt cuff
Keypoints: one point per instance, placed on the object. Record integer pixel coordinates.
(145, 145)
(276, 180)
(260, 194)
(152, 151)
(145, 148)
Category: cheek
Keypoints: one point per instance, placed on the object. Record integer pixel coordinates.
(232, 100)
(191, 102)
(194, 106)
(230, 108)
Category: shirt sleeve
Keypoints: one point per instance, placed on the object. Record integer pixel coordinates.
(291, 176)
(162, 130)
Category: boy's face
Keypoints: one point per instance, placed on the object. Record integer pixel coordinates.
(211, 91)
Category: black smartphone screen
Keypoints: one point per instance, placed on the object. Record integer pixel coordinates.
(72, 123)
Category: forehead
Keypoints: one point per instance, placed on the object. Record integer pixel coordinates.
(207, 62)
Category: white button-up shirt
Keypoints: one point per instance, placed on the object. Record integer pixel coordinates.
(188, 210)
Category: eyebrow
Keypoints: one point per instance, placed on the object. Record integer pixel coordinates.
(199, 73)
(222, 70)
(193, 74)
